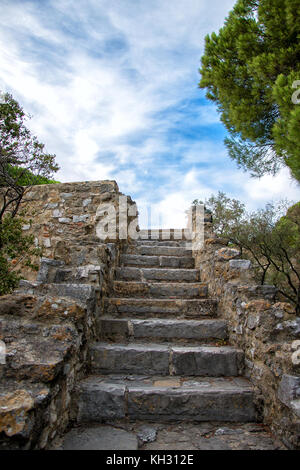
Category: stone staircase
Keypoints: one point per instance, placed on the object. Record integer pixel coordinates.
(163, 353)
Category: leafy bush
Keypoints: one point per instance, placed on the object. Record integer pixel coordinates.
(17, 250)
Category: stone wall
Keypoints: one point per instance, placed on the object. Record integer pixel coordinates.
(48, 323)
(267, 330)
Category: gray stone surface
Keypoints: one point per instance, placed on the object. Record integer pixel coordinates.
(157, 274)
(161, 398)
(155, 261)
(242, 264)
(207, 436)
(111, 327)
(129, 274)
(295, 406)
(182, 436)
(45, 267)
(165, 274)
(162, 329)
(81, 292)
(160, 290)
(133, 358)
(139, 260)
(202, 436)
(212, 361)
(161, 359)
(99, 438)
(158, 243)
(289, 389)
(97, 400)
(183, 404)
(146, 434)
(265, 291)
(163, 251)
(177, 262)
(181, 290)
(189, 329)
(184, 308)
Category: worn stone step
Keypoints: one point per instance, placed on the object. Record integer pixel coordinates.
(169, 290)
(185, 262)
(165, 359)
(164, 234)
(161, 250)
(165, 399)
(179, 308)
(157, 274)
(162, 329)
(160, 243)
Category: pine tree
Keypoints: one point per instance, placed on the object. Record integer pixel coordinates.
(250, 70)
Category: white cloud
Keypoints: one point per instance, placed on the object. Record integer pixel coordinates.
(111, 87)
(268, 188)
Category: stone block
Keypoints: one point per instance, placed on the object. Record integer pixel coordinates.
(196, 403)
(241, 264)
(179, 275)
(205, 361)
(111, 327)
(226, 254)
(99, 438)
(45, 269)
(139, 260)
(132, 358)
(289, 389)
(186, 262)
(185, 308)
(161, 250)
(97, 401)
(179, 329)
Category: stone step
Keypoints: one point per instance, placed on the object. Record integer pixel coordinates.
(162, 329)
(165, 359)
(159, 290)
(165, 399)
(164, 234)
(185, 262)
(160, 243)
(161, 250)
(157, 274)
(178, 308)
(53, 271)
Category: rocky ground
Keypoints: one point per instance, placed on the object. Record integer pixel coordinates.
(166, 436)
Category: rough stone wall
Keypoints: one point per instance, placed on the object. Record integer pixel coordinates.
(64, 217)
(46, 341)
(268, 331)
(48, 323)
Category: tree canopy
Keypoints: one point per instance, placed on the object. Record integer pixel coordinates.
(269, 237)
(251, 70)
(23, 163)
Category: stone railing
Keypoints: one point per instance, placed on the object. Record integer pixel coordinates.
(265, 329)
(47, 325)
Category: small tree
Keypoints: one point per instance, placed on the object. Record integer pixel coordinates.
(269, 239)
(23, 163)
(227, 213)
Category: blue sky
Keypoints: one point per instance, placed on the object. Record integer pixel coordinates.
(113, 89)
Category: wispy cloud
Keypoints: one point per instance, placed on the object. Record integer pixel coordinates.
(113, 90)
